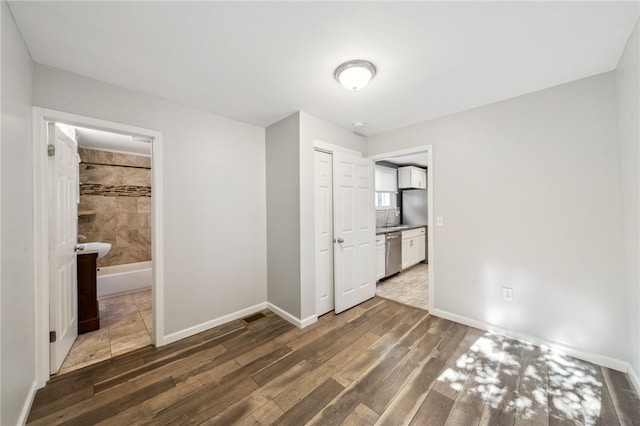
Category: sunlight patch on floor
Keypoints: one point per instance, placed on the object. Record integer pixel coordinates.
(570, 389)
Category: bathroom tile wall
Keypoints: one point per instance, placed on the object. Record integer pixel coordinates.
(118, 188)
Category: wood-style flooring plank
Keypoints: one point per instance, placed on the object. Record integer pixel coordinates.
(578, 393)
(144, 412)
(302, 387)
(361, 416)
(623, 396)
(408, 400)
(106, 411)
(345, 403)
(434, 410)
(468, 406)
(260, 397)
(182, 362)
(354, 328)
(378, 363)
(502, 398)
(532, 407)
(380, 398)
(458, 360)
(304, 410)
(265, 415)
(194, 403)
(354, 368)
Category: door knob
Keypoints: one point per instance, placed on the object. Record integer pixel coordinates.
(338, 240)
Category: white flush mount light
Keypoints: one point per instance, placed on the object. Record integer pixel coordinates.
(355, 75)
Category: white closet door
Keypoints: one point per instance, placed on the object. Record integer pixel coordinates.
(354, 230)
(324, 232)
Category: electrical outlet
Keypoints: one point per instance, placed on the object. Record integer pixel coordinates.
(439, 221)
(507, 294)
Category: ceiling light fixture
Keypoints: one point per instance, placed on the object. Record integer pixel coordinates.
(355, 75)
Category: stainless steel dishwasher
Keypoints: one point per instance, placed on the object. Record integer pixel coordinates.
(393, 253)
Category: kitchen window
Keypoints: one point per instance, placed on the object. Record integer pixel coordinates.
(385, 200)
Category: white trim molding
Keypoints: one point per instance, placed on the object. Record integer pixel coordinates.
(24, 412)
(330, 148)
(407, 151)
(300, 323)
(603, 360)
(199, 328)
(635, 379)
(41, 225)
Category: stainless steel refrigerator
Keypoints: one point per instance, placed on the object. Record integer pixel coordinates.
(414, 209)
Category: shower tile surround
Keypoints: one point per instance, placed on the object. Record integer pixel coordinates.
(118, 188)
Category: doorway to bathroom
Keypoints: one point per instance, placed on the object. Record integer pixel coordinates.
(114, 209)
(113, 213)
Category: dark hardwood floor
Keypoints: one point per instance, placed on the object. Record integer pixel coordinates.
(378, 363)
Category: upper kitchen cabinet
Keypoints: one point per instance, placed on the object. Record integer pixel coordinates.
(411, 177)
(386, 179)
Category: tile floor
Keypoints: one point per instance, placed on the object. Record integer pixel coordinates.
(125, 325)
(409, 287)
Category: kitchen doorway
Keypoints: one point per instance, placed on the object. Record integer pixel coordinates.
(404, 207)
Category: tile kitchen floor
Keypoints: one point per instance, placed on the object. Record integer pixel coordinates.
(409, 287)
(125, 325)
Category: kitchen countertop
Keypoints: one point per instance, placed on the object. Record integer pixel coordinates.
(387, 229)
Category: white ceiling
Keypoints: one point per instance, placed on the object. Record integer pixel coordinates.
(419, 159)
(107, 141)
(259, 62)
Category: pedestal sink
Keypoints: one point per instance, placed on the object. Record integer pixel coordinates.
(102, 248)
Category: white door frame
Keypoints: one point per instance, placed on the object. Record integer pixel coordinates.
(41, 226)
(430, 206)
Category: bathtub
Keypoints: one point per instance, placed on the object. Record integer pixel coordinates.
(120, 279)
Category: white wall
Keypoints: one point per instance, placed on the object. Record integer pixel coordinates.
(529, 189)
(290, 209)
(17, 321)
(283, 215)
(628, 91)
(214, 195)
(311, 129)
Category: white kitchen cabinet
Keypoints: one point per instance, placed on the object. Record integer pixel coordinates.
(411, 177)
(413, 247)
(380, 256)
(386, 179)
(422, 244)
(407, 252)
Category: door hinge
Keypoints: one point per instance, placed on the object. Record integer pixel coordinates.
(51, 150)
(52, 336)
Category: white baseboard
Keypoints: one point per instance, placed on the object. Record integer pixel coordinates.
(24, 413)
(187, 332)
(308, 321)
(293, 320)
(603, 360)
(635, 380)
